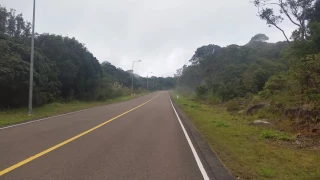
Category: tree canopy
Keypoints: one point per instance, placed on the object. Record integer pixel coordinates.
(233, 71)
(259, 38)
(284, 74)
(64, 68)
(296, 11)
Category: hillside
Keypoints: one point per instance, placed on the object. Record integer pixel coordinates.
(233, 71)
(275, 81)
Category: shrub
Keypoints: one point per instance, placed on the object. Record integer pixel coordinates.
(201, 90)
(232, 105)
(213, 99)
(269, 112)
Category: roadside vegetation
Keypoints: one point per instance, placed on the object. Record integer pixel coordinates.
(64, 69)
(249, 151)
(278, 81)
(18, 115)
(65, 72)
(258, 104)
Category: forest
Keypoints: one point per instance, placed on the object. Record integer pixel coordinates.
(64, 69)
(283, 78)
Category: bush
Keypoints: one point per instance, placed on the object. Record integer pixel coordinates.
(232, 105)
(269, 112)
(213, 99)
(201, 90)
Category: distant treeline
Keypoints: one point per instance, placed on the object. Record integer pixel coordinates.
(64, 69)
(283, 74)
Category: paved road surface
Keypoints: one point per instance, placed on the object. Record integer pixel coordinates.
(146, 143)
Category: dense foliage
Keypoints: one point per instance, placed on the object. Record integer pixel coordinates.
(233, 71)
(286, 74)
(64, 68)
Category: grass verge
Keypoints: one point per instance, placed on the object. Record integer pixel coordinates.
(250, 152)
(14, 116)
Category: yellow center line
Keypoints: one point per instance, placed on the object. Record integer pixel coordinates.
(5, 171)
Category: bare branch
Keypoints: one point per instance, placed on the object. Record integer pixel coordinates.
(267, 14)
(294, 10)
(286, 13)
(282, 32)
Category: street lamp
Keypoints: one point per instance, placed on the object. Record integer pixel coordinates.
(132, 73)
(148, 80)
(32, 60)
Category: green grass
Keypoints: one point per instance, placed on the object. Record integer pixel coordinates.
(268, 134)
(221, 123)
(250, 152)
(13, 116)
(267, 172)
(271, 134)
(285, 137)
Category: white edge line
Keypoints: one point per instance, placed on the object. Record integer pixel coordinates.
(42, 119)
(194, 152)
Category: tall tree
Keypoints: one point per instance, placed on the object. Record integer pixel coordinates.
(259, 38)
(294, 10)
(3, 19)
(11, 29)
(27, 30)
(233, 71)
(20, 25)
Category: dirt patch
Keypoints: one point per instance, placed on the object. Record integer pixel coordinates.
(306, 142)
(307, 128)
(304, 112)
(307, 134)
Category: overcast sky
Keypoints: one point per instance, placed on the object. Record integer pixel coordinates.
(164, 34)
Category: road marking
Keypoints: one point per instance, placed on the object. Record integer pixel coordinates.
(5, 171)
(42, 119)
(194, 152)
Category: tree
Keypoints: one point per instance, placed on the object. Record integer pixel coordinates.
(64, 68)
(14, 76)
(20, 26)
(3, 19)
(314, 13)
(80, 72)
(259, 38)
(27, 30)
(204, 51)
(233, 71)
(11, 29)
(295, 10)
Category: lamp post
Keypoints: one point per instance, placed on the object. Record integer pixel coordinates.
(132, 73)
(32, 60)
(148, 80)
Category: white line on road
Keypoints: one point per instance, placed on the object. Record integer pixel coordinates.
(42, 119)
(194, 152)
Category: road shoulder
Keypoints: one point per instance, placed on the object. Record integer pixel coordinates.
(212, 164)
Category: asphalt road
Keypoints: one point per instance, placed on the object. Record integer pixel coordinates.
(137, 139)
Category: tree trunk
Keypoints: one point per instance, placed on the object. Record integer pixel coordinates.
(284, 34)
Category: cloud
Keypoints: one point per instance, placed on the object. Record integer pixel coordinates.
(163, 34)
